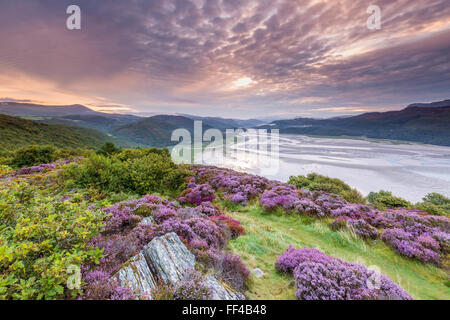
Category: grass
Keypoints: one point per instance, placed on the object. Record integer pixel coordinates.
(269, 235)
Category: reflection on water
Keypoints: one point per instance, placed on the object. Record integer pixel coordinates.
(408, 170)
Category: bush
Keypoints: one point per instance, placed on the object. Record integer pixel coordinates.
(234, 272)
(321, 277)
(317, 182)
(108, 149)
(435, 204)
(126, 172)
(385, 199)
(163, 291)
(193, 287)
(33, 155)
(40, 237)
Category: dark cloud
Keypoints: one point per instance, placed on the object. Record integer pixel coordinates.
(186, 55)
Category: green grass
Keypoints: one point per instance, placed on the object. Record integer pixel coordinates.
(269, 235)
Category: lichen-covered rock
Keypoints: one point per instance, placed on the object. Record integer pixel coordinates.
(136, 275)
(221, 291)
(168, 258)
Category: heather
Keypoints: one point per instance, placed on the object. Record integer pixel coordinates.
(134, 223)
(268, 235)
(366, 221)
(236, 187)
(321, 277)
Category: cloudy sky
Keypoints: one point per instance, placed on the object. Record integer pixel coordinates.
(238, 58)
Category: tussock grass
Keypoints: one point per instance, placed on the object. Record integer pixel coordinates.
(269, 235)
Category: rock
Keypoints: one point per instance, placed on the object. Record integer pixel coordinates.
(136, 275)
(221, 291)
(258, 272)
(168, 258)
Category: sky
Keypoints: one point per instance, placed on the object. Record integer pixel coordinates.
(230, 58)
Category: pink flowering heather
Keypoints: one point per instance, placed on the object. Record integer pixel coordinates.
(196, 194)
(321, 277)
(235, 186)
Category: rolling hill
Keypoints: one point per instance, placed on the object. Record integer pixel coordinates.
(17, 132)
(155, 131)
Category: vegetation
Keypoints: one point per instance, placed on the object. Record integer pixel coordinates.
(16, 133)
(41, 237)
(269, 235)
(385, 199)
(88, 213)
(316, 181)
(138, 171)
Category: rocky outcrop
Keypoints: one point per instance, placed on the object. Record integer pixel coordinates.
(136, 274)
(167, 259)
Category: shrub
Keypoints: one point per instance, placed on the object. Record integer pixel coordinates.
(363, 229)
(435, 203)
(193, 287)
(234, 272)
(163, 291)
(196, 194)
(151, 172)
(5, 170)
(317, 182)
(385, 199)
(321, 277)
(232, 226)
(108, 149)
(33, 155)
(40, 237)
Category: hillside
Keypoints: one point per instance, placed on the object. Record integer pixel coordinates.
(419, 124)
(16, 132)
(152, 235)
(36, 110)
(155, 131)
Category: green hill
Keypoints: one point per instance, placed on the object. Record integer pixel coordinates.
(16, 133)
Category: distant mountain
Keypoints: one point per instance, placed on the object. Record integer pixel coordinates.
(35, 110)
(444, 103)
(419, 124)
(155, 131)
(17, 132)
(100, 121)
(224, 123)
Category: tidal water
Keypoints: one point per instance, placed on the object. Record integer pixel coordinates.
(408, 170)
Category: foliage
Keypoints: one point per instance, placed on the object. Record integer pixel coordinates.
(5, 170)
(108, 149)
(317, 182)
(321, 277)
(385, 199)
(163, 291)
(40, 237)
(124, 172)
(17, 133)
(193, 287)
(234, 271)
(435, 203)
